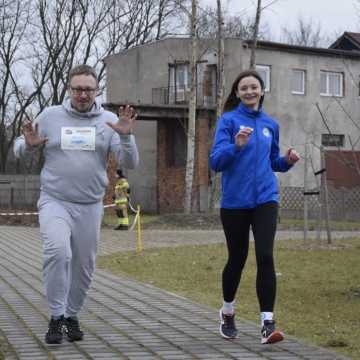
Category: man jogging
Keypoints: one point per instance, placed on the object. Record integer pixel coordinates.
(77, 137)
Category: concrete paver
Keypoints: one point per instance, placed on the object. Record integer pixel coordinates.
(122, 318)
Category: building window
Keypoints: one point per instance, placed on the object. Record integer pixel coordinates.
(333, 140)
(331, 83)
(298, 82)
(179, 81)
(264, 72)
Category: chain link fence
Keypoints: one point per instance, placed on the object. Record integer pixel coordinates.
(22, 192)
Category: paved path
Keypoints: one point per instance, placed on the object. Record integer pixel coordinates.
(122, 319)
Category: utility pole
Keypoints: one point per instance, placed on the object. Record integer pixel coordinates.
(305, 191)
(325, 195)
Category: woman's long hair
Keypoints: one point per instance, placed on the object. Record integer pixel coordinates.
(232, 100)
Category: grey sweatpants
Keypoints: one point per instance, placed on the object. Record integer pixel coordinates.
(70, 233)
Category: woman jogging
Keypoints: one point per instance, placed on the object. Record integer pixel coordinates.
(246, 152)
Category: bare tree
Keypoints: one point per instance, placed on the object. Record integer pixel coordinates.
(14, 99)
(44, 39)
(233, 25)
(306, 33)
(72, 32)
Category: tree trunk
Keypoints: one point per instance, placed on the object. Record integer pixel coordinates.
(215, 177)
(190, 156)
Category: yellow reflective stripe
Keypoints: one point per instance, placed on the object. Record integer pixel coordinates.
(123, 221)
(121, 201)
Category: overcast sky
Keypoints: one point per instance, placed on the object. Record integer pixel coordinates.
(334, 16)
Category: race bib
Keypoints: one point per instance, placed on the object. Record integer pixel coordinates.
(78, 138)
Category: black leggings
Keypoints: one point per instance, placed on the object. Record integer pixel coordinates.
(236, 224)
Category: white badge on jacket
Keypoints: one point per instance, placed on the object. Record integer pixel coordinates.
(78, 138)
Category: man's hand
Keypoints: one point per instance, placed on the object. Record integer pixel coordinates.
(127, 117)
(292, 156)
(31, 135)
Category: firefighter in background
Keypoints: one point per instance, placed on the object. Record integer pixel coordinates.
(121, 199)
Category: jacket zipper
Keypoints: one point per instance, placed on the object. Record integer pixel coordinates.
(255, 162)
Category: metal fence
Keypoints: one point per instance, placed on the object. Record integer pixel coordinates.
(344, 204)
(22, 192)
(181, 94)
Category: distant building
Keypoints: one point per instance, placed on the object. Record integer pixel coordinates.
(299, 81)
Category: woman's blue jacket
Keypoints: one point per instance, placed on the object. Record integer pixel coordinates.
(248, 178)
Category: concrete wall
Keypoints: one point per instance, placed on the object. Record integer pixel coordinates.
(133, 74)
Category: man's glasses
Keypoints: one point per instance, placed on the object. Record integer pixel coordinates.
(79, 91)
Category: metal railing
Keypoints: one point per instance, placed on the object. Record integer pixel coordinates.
(172, 95)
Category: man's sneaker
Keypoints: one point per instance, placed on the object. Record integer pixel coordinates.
(227, 326)
(122, 227)
(72, 329)
(54, 335)
(268, 333)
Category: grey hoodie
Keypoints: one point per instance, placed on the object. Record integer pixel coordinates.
(79, 175)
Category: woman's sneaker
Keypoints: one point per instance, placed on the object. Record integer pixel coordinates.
(268, 333)
(227, 326)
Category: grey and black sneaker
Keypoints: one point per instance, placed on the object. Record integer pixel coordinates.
(54, 335)
(72, 329)
(268, 333)
(122, 227)
(227, 326)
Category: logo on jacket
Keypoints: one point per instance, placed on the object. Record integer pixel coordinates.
(266, 132)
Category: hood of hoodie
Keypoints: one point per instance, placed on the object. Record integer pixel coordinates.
(95, 110)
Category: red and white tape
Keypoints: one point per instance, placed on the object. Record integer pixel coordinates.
(18, 213)
(36, 213)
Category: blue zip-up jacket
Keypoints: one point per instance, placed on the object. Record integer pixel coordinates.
(248, 178)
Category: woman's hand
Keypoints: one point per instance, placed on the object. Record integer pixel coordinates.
(125, 124)
(292, 156)
(243, 136)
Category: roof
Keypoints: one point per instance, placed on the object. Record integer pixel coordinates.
(306, 49)
(348, 41)
(336, 49)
